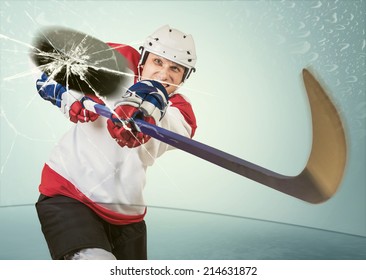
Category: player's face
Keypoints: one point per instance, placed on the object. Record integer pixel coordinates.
(169, 73)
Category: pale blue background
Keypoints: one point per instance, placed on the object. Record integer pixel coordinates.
(249, 101)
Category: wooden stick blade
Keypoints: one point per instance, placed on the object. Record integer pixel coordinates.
(327, 161)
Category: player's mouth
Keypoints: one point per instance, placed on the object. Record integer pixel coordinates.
(165, 85)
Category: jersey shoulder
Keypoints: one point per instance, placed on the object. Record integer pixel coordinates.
(131, 54)
(182, 103)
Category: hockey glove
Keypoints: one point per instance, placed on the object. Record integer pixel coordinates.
(147, 100)
(70, 104)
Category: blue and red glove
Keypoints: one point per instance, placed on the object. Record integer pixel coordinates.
(147, 100)
(70, 104)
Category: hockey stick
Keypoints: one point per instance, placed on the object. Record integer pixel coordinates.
(323, 172)
(83, 63)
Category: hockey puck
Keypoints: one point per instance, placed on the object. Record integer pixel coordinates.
(78, 61)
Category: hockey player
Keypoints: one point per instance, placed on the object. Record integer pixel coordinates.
(91, 204)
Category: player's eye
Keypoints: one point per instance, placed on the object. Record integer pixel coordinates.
(158, 61)
(175, 69)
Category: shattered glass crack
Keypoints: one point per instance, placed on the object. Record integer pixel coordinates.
(79, 61)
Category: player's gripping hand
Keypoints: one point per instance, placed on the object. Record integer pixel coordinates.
(146, 100)
(70, 104)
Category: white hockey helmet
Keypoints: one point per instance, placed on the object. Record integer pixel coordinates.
(171, 44)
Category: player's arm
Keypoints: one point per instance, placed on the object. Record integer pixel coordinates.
(179, 118)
